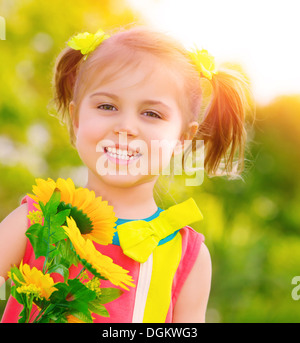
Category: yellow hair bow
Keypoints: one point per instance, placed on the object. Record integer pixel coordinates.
(139, 238)
(87, 42)
(204, 62)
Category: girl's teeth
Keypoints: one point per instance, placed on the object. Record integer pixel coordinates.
(121, 154)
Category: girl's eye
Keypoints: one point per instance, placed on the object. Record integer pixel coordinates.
(107, 107)
(152, 114)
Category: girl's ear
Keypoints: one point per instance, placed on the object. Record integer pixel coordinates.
(73, 118)
(188, 135)
(192, 130)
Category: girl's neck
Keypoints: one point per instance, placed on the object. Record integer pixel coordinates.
(135, 202)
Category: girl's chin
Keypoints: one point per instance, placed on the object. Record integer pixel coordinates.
(111, 166)
(126, 181)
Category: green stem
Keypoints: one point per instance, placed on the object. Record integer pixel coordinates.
(32, 315)
(51, 261)
(28, 307)
(47, 220)
(80, 272)
(42, 313)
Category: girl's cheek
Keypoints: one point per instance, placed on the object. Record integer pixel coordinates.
(86, 138)
(89, 129)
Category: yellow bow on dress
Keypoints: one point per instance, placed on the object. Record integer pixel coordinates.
(139, 238)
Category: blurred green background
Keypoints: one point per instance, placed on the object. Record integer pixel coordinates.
(251, 226)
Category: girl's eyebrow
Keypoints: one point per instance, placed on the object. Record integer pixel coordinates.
(105, 94)
(148, 102)
(157, 102)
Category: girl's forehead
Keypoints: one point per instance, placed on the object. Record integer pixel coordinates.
(144, 71)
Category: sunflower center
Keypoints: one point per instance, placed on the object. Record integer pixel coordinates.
(82, 220)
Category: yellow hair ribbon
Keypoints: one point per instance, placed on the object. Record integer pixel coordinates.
(87, 42)
(204, 62)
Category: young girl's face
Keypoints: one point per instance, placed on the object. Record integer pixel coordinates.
(127, 127)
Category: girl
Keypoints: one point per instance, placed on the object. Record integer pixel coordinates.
(119, 95)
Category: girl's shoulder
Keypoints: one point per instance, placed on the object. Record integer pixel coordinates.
(194, 292)
(12, 238)
(16, 221)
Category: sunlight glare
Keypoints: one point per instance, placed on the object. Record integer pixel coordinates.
(261, 35)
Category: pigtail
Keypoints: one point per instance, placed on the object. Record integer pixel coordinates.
(65, 73)
(223, 127)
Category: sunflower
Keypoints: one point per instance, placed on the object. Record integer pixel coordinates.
(35, 282)
(94, 217)
(98, 264)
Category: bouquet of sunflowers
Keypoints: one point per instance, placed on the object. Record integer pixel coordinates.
(66, 222)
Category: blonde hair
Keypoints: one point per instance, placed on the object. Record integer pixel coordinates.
(221, 128)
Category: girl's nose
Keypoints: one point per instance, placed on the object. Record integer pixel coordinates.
(127, 125)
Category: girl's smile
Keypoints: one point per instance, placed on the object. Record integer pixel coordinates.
(121, 155)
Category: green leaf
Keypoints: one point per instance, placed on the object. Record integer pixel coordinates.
(109, 294)
(56, 233)
(43, 237)
(42, 206)
(60, 269)
(81, 316)
(59, 218)
(42, 303)
(73, 296)
(60, 295)
(52, 313)
(16, 276)
(66, 256)
(19, 297)
(97, 308)
(38, 238)
(53, 226)
(80, 291)
(57, 315)
(34, 229)
(52, 204)
(23, 315)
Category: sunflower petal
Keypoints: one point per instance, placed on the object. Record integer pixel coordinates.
(101, 265)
